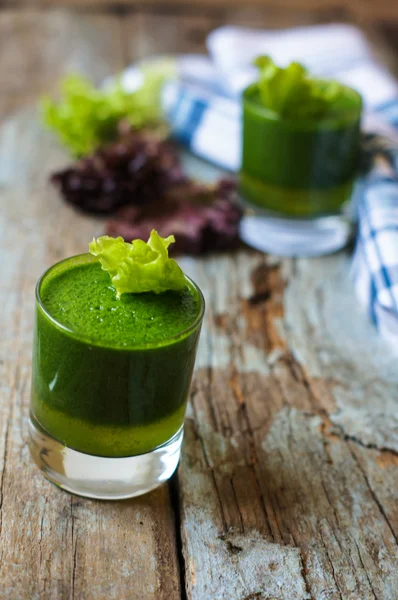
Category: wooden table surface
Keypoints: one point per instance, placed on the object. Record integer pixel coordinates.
(288, 483)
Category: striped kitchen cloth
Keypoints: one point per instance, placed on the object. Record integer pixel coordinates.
(375, 261)
(203, 105)
(203, 109)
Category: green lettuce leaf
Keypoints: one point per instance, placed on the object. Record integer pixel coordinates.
(292, 93)
(87, 117)
(140, 266)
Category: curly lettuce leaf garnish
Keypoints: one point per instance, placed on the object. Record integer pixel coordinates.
(86, 117)
(140, 266)
(291, 92)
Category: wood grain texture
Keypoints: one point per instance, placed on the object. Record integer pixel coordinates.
(53, 545)
(365, 10)
(149, 34)
(287, 488)
(286, 377)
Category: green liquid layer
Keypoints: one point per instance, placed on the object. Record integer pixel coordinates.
(83, 299)
(299, 168)
(294, 202)
(115, 382)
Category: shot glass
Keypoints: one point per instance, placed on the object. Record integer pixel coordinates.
(107, 422)
(298, 176)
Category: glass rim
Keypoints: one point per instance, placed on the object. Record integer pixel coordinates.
(92, 342)
(343, 118)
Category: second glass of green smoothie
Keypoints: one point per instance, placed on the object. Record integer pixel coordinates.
(299, 167)
(110, 380)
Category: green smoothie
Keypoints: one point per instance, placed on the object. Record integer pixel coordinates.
(111, 376)
(300, 157)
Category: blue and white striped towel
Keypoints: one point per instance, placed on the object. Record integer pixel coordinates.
(375, 263)
(203, 109)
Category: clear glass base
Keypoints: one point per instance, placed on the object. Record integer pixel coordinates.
(295, 237)
(100, 477)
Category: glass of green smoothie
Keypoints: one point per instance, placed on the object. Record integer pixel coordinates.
(115, 339)
(300, 150)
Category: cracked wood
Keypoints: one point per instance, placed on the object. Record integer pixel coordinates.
(269, 452)
(287, 486)
(52, 545)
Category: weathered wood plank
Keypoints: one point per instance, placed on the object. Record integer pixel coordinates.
(53, 545)
(267, 455)
(380, 470)
(385, 38)
(289, 474)
(365, 10)
(148, 33)
(276, 17)
(37, 48)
